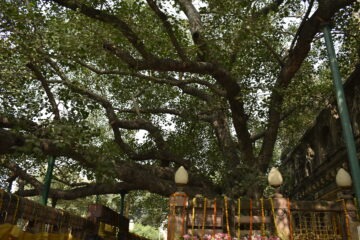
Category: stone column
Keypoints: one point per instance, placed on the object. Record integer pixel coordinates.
(282, 218)
(177, 216)
(281, 214)
(351, 215)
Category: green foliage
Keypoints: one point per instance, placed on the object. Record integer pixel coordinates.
(147, 208)
(146, 231)
(98, 90)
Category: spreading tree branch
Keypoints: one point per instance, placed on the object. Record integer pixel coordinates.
(301, 25)
(105, 17)
(168, 80)
(47, 89)
(169, 30)
(163, 152)
(195, 27)
(311, 26)
(269, 48)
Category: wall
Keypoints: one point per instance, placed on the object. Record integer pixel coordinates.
(313, 163)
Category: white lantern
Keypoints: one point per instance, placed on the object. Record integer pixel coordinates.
(343, 178)
(274, 178)
(181, 176)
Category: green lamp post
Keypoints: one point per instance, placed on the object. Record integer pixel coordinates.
(47, 181)
(343, 111)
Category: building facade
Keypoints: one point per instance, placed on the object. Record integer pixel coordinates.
(312, 165)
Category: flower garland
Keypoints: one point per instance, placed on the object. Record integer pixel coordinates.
(227, 216)
(16, 209)
(183, 215)
(204, 218)
(346, 218)
(334, 224)
(193, 215)
(301, 223)
(171, 213)
(328, 231)
(290, 223)
(239, 207)
(214, 218)
(251, 219)
(262, 218)
(172, 225)
(273, 213)
(2, 198)
(357, 208)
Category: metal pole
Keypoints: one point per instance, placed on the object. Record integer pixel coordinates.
(122, 235)
(344, 113)
(47, 181)
(9, 186)
(122, 203)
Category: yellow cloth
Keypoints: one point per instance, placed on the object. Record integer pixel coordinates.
(5, 230)
(106, 230)
(13, 232)
(27, 236)
(58, 236)
(41, 236)
(71, 237)
(10, 232)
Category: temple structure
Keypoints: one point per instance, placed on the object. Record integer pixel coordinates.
(312, 165)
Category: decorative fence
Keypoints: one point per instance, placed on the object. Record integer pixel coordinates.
(275, 218)
(23, 219)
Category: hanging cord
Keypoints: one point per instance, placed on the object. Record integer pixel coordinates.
(214, 218)
(321, 232)
(273, 213)
(313, 224)
(16, 208)
(193, 215)
(172, 213)
(300, 222)
(238, 213)
(183, 215)
(251, 219)
(227, 216)
(290, 219)
(334, 223)
(306, 225)
(7, 208)
(262, 218)
(346, 218)
(327, 227)
(1, 199)
(357, 208)
(1, 203)
(204, 219)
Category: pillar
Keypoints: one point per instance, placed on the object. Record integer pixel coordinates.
(177, 216)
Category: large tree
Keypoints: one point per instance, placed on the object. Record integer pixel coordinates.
(127, 91)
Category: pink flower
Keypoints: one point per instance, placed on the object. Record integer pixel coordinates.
(219, 235)
(207, 237)
(187, 236)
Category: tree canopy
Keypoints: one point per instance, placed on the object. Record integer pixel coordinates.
(125, 92)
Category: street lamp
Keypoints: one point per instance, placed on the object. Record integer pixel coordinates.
(178, 204)
(343, 180)
(181, 178)
(275, 180)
